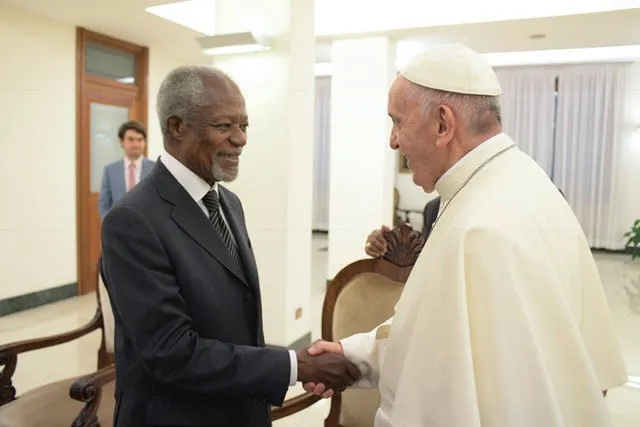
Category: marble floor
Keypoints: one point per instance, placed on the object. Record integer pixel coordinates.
(622, 285)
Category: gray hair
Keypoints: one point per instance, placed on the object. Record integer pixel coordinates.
(480, 112)
(182, 93)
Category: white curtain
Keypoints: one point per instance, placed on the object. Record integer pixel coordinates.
(528, 109)
(321, 154)
(591, 101)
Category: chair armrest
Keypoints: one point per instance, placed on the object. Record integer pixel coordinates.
(84, 389)
(88, 389)
(9, 353)
(294, 405)
(13, 349)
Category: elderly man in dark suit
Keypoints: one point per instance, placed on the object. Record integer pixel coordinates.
(182, 279)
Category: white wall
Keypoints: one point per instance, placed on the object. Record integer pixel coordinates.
(37, 166)
(38, 145)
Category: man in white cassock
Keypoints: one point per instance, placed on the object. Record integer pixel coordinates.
(503, 321)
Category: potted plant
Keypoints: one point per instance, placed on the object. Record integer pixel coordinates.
(633, 239)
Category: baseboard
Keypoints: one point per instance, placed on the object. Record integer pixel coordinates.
(301, 342)
(625, 251)
(37, 299)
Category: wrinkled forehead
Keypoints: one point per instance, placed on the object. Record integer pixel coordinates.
(226, 100)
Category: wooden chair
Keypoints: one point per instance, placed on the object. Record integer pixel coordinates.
(60, 403)
(360, 297)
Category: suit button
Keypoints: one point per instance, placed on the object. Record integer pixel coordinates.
(248, 296)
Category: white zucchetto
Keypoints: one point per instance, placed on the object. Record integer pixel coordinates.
(453, 68)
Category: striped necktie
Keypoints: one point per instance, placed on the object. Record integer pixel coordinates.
(212, 203)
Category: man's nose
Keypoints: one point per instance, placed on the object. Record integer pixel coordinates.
(393, 142)
(239, 138)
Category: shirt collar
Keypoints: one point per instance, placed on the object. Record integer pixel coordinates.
(195, 186)
(136, 162)
(470, 155)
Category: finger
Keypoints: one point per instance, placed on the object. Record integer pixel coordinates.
(377, 250)
(316, 348)
(384, 229)
(319, 389)
(324, 346)
(378, 240)
(372, 252)
(309, 386)
(327, 394)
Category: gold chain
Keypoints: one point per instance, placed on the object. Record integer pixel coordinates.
(466, 181)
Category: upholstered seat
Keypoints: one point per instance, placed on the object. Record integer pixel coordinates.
(51, 406)
(364, 304)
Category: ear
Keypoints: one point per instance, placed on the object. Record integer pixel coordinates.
(446, 124)
(176, 127)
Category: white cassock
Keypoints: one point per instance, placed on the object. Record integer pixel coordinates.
(503, 321)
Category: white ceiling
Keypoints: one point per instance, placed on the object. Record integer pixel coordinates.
(128, 20)
(564, 32)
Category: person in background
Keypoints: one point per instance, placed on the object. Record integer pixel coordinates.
(122, 175)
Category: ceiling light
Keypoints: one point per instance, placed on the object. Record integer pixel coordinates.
(198, 15)
(225, 44)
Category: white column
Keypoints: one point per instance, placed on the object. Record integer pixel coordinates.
(275, 180)
(362, 171)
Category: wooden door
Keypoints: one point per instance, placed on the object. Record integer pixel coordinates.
(105, 101)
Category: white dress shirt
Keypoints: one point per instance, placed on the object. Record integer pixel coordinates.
(197, 188)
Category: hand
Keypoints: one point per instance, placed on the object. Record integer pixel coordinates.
(329, 368)
(376, 245)
(316, 349)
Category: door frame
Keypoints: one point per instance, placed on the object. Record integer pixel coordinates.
(87, 84)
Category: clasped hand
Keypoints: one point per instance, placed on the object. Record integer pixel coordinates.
(322, 368)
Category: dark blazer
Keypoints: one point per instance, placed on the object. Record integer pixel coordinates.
(189, 345)
(429, 215)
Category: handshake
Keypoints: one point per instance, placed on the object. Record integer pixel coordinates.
(323, 369)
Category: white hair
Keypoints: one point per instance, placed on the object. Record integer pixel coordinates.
(182, 93)
(480, 112)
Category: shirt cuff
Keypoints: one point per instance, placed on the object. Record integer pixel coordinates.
(293, 376)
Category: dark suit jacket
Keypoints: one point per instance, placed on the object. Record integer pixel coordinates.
(189, 344)
(429, 215)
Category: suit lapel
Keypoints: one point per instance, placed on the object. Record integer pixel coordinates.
(239, 232)
(189, 217)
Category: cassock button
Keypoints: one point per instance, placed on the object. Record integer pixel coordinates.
(248, 296)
